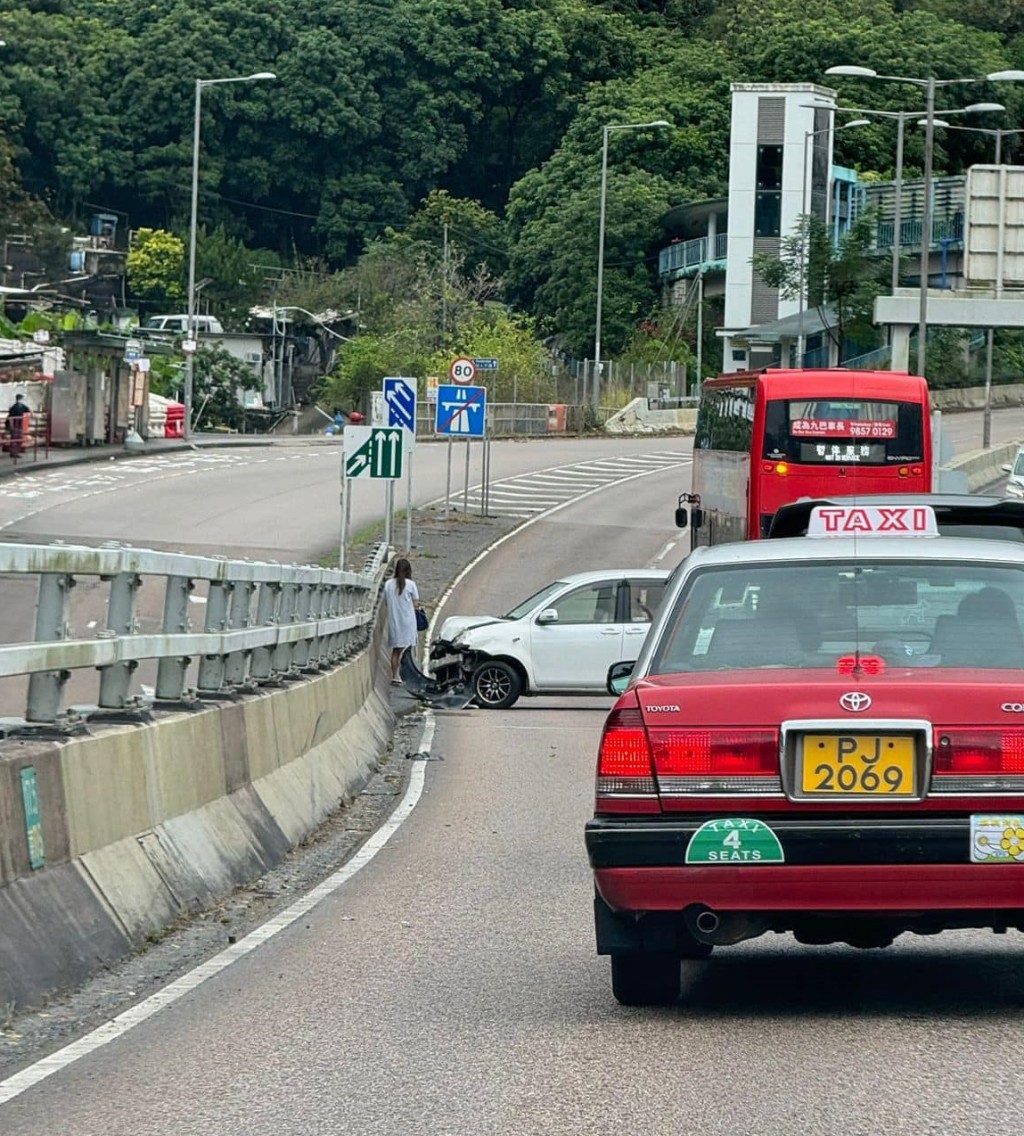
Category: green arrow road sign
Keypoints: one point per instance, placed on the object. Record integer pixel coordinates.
(734, 840)
(373, 452)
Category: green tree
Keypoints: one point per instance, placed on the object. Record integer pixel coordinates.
(553, 215)
(236, 274)
(220, 382)
(155, 267)
(524, 365)
(841, 281)
(476, 236)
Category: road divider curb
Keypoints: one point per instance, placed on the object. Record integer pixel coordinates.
(145, 823)
(983, 467)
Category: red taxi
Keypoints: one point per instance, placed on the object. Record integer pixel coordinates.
(822, 736)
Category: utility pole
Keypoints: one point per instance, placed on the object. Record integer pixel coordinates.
(444, 284)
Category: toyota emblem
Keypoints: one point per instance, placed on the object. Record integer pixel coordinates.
(855, 701)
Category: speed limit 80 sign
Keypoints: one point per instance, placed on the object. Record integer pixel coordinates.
(463, 372)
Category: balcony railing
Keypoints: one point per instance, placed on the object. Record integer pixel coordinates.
(693, 256)
(943, 229)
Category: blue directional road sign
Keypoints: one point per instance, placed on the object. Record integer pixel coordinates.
(400, 403)
(486, 364)
(461, 411)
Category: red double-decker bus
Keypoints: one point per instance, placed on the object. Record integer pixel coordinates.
(765, 438)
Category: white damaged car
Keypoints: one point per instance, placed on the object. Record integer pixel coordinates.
(562, 640)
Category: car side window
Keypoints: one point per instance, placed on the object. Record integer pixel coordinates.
(594, 603)
(644, 598)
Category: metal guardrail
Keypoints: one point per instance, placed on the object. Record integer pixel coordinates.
(263, 622)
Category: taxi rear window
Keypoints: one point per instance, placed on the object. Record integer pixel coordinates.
(810, 614)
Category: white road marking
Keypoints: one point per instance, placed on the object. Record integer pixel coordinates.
(110, 1031)
(666, 550)
(31, 1076)
(65, 485)
(531, 493)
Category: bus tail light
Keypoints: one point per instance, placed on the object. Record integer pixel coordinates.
(625, 779)
(917, 470)
(978, 761)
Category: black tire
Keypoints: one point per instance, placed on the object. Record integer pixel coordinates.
(646, 978)
(496, 685)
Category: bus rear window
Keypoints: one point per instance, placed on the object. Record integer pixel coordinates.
(846, 431)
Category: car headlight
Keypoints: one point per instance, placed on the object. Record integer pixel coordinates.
(1014, 489)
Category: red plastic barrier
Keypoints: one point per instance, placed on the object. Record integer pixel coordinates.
(556, 419)
(175, 427)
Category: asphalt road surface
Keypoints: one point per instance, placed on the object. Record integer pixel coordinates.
(278, 503)
(451, 988)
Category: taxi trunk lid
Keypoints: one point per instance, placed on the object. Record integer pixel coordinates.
(799, 738)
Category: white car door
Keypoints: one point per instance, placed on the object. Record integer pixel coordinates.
(644, 600)
(575, 651)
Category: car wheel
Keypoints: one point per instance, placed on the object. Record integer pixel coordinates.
(646, 978)
(496, 685)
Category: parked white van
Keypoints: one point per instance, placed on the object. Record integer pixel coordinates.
(179, 324)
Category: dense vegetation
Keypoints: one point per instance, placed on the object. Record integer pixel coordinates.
(497, 103)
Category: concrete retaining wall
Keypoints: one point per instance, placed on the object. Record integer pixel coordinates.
(144, 823)
(637, 418)
(973, 398)
(983, 467)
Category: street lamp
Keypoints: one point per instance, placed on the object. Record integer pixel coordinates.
(808, 135)
(606, 131)
(191, 310)
(930, 85)
(901, 116)
(986, 419)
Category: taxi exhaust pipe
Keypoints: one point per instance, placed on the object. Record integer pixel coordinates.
(707, 922)
(722, 929)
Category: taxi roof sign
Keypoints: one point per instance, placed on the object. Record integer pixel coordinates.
(872, 520)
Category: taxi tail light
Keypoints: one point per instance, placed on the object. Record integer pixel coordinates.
(625, 779)
(979, 753)
(715, 753)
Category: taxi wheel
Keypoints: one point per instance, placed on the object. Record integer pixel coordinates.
(496, 685)
(646, 978)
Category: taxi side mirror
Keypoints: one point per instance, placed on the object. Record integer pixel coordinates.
(548, 615)
(619, 675)
(1005, 468)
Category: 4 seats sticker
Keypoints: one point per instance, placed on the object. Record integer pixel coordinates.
(734, 840)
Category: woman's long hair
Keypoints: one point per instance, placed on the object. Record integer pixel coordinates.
(403, 572)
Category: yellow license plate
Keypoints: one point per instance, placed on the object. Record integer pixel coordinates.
(858, 765)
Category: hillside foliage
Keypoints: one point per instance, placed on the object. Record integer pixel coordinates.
(390, 119)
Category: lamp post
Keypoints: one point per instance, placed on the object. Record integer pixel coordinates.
(901, 117)
(191, 308)
(986, 420)
(808, 135)
(605, 132)
(929, 85)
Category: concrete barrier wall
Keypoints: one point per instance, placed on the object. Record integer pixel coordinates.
(983, 467)
(973, 398)
(144, 823)
(637, 418)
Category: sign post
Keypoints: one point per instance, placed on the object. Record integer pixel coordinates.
(400, 406)
(376, 453)
(461, 412)
(344, 516)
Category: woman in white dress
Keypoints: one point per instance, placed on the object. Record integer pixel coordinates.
(402, 599)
